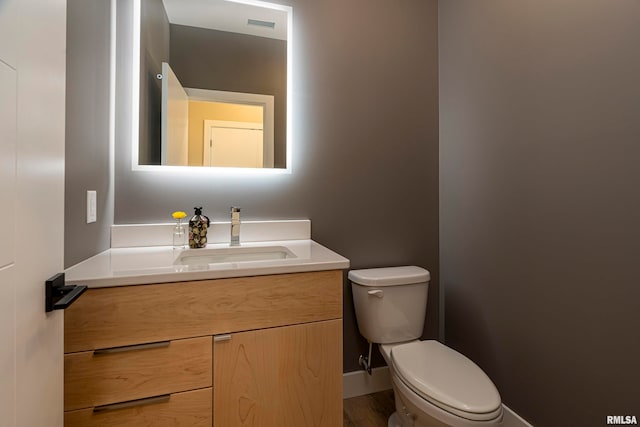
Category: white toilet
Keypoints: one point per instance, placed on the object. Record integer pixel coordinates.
(433, 384)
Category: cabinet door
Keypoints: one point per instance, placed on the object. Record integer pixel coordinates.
(287, 376)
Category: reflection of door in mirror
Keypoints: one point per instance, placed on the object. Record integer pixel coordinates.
(229, 115)
(207, 104)
(175, 120)
(191, 118)
(233, 144)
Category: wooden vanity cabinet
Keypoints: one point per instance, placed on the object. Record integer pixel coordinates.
(251, 351)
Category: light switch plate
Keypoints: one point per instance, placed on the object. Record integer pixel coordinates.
(92, 208)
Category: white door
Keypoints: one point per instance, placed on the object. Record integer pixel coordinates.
(32, 116)
(174, 121)
(233, 144)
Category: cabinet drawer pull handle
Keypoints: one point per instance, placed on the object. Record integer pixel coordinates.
(220, 338)
(112, 350)
(131, 403)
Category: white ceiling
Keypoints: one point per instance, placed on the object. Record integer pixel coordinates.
(226, 15)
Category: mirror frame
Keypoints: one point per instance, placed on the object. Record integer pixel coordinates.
(135, 102)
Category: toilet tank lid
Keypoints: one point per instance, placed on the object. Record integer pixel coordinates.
(389, 276)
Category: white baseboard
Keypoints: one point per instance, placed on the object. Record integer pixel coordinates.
(359, 383)
(511, 419)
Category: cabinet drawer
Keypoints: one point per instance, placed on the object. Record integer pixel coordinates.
(122, 374)
(188, 409)
(125, 315)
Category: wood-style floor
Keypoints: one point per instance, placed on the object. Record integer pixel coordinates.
(370, 410)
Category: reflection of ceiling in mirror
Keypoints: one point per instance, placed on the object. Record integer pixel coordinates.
(226, 15)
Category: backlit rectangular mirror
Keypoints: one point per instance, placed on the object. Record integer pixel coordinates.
(215, 85)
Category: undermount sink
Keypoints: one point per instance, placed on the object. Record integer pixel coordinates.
(233, 254)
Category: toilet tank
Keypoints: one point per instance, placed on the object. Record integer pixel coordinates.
(390, 303)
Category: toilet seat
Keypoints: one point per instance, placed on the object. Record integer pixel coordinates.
(447, 379)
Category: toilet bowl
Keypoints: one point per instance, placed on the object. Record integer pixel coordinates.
(438, 386)
(433, 384)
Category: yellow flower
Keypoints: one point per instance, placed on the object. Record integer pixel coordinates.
(178, 215)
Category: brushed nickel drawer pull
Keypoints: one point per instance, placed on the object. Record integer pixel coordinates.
(123, 349)
(221, 338)
(132, 403)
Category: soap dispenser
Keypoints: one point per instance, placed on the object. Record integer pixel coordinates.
(198, 226)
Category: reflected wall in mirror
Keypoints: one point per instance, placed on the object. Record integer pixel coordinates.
(214, 84)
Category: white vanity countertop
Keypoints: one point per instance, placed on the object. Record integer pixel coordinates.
(155, 264)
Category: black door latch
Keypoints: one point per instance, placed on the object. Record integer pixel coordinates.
(59, 296)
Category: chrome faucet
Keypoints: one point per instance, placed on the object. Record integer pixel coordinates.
(235, 226)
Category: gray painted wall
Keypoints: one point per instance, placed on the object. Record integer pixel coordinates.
(220, 60)
(87, 129)
(539, 133)
(365, 164)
